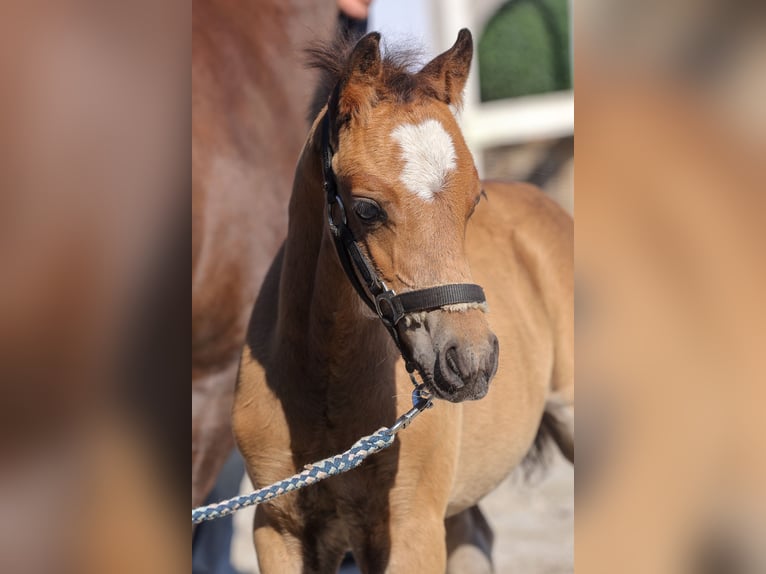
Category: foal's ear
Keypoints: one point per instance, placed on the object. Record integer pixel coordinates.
(357, 85)
(447, 73)
(364, 61)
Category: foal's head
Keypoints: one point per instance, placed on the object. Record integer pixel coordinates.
(410, 186)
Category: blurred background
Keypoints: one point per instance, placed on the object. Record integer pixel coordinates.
(670, 270)
(94, 235)
(518, 117)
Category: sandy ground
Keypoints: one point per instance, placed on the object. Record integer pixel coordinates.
(533, 522)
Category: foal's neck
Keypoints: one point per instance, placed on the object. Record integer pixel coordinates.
(321, 317)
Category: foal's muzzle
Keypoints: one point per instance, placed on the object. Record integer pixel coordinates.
(456, 352)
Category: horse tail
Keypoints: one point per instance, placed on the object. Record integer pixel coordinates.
(556, 427)
(558, 424)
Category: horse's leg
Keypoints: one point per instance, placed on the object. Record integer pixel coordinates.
(413, 542)
(418, 544)
(469, 543)
(277, 551)
(319, 549)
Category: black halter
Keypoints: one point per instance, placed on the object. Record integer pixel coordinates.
(389, 306)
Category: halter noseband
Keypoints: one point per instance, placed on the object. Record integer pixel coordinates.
(389, 306)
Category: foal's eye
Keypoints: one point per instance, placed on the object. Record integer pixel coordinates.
(369, 211)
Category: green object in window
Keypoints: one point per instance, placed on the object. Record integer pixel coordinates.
(525, 50)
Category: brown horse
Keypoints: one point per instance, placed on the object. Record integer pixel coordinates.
(319, 369)
(248, 113)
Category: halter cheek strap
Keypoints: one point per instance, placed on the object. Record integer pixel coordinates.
(386, 304)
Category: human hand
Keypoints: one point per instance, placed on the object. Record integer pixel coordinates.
(357, 9)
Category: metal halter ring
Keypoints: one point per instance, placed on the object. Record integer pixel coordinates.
(385, 302)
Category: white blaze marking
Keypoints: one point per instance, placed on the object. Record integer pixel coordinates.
(429, 155)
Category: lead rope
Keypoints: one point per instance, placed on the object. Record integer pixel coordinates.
(325, 468)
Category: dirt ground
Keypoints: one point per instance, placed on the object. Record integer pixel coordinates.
(533, 522)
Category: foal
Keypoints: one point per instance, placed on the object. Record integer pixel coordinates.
(320, 369)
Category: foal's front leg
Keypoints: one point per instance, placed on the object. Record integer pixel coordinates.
(411, 542)
(418, 542)
(403, 522)
(307, 550)
(277, 551)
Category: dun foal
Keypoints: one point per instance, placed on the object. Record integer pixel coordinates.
(320, 369)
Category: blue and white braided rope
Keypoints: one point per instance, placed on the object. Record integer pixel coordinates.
(313, 473)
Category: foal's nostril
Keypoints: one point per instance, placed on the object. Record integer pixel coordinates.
(451, 358)
(464, 368)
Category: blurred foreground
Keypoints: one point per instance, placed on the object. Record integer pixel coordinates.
(671, 133)
(94, 228)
